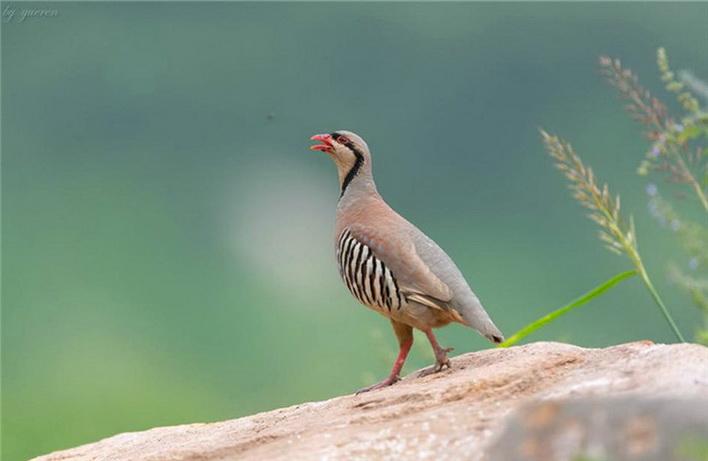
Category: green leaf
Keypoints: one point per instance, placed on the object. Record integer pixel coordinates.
(594, 293)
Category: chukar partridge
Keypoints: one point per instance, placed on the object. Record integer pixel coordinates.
(392, 267)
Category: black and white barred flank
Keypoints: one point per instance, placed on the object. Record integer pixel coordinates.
(366, 276)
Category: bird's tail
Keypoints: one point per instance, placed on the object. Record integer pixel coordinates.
(491, 332)
(476, 317)
(496, 339)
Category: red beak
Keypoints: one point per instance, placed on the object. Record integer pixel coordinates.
(326, 141)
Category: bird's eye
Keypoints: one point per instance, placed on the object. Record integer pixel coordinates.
(343, 140)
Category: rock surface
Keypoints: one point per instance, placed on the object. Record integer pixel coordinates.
(628, 428)
(456, 414)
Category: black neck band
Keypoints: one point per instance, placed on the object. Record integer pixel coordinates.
(355, 168)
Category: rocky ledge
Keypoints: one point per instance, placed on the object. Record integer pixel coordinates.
(546, 401)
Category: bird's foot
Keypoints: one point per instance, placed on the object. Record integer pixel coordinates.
(441, 359)
(391, 380)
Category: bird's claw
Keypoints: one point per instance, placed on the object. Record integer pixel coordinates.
(441, 359)
(440, 365)
(391, 380)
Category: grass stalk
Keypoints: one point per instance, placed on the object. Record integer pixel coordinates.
(655, 294)
(618, 235)
(693, 182)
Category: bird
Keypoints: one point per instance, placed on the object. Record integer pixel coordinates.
(391, 266)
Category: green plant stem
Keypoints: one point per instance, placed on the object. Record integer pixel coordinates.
(692, 180)
(595, 292)
(689, 178)
(650, 286)
(639, 265)
(632, 251)
(700, 193)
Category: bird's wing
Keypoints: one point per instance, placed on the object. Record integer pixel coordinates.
(399, 254)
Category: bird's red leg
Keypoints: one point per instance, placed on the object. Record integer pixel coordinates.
(405, 341)
(441, 359)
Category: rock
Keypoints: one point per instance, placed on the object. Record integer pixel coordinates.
(456, 414)
(600, 428)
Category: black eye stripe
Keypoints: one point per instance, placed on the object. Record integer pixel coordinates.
(349, 144)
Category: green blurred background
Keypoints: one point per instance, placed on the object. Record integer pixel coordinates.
(167, 235)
